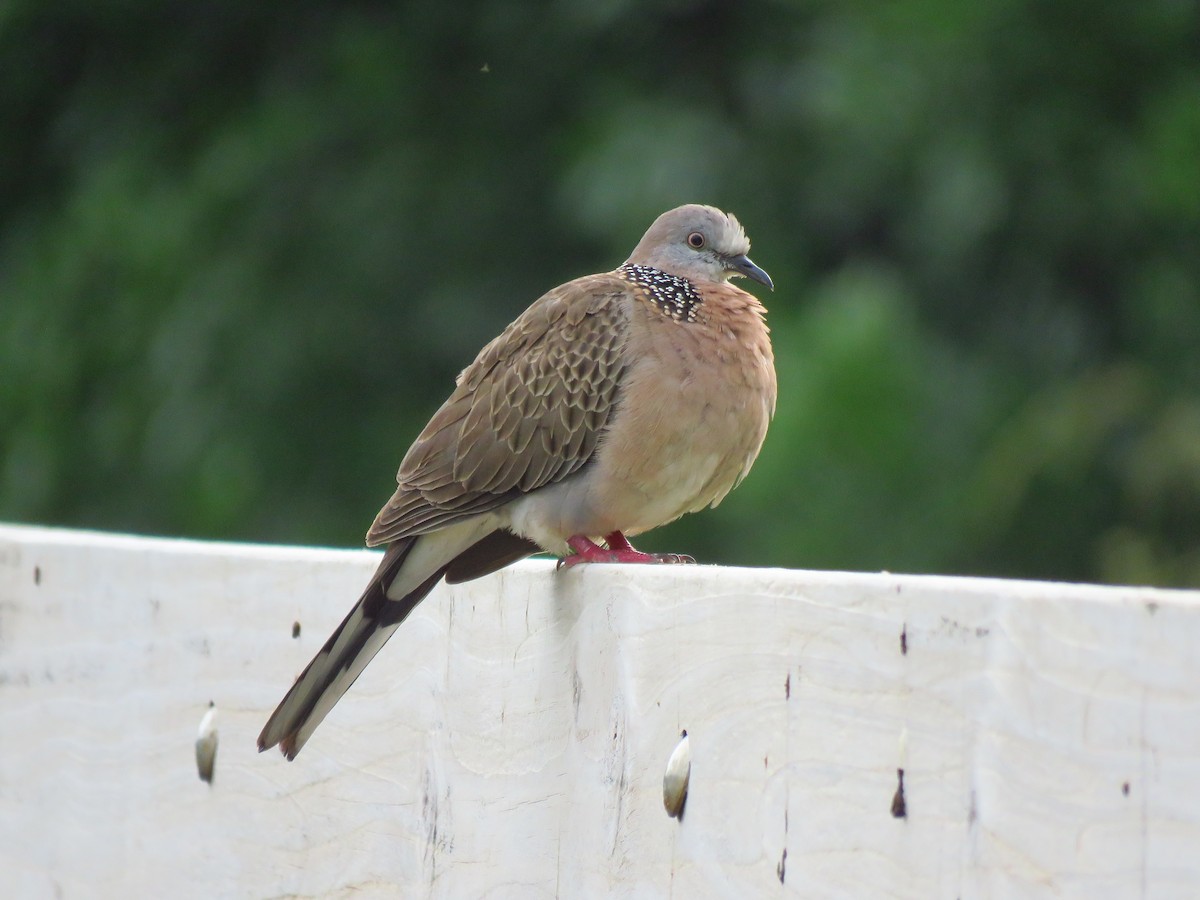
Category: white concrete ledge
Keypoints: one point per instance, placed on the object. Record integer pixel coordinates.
(510, 741)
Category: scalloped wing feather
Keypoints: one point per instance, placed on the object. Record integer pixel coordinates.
(527, 412)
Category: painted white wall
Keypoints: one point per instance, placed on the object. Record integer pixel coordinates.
(511, 739)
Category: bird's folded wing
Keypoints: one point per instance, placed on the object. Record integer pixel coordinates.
(526, 413)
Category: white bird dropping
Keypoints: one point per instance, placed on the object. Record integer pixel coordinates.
(675, 779)
(206, 744)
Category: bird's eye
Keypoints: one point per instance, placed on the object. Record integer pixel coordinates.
(695, 240)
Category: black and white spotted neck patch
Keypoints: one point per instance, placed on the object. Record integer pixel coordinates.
(674, 296)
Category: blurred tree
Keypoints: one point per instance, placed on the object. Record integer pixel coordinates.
(245, 249)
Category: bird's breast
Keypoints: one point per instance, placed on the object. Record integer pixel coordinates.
(692, 411)
(692, 414)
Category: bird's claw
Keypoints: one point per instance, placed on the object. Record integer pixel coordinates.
(681, 559)
(617, 550)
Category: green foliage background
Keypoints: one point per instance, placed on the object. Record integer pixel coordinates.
(244, 249)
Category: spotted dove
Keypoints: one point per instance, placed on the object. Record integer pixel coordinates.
(614, 404)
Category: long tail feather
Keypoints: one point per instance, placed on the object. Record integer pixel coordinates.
(409, 570)
(351, 646)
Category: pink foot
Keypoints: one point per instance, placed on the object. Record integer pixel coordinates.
(619, 550)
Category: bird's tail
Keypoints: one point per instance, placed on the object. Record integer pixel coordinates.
(351, 646)
(409, 570)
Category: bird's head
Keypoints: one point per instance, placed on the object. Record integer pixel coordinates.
(699, 243)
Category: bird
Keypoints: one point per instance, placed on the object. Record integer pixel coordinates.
(614, 404)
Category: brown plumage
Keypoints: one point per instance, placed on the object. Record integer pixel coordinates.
(614, 404)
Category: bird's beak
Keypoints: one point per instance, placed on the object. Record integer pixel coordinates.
(742, 265)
